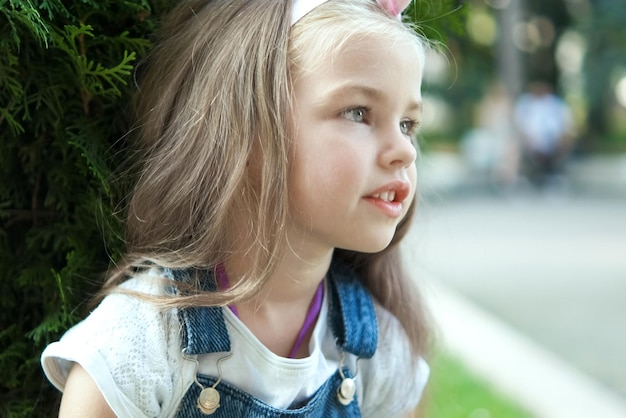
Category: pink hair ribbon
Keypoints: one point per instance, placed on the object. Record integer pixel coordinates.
(302, 7)
(394, 7)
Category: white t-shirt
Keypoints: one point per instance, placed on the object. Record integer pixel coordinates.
(132, 350)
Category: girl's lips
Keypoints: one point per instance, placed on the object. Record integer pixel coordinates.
(391, 209)
(390, 197)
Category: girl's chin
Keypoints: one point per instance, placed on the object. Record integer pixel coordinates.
(371, 247)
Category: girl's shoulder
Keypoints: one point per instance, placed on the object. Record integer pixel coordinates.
(127, 338)
(394, 379)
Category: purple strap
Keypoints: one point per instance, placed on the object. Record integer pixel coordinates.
(309, 320)
(222, 283)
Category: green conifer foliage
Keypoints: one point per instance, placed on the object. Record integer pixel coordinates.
(65, 80)
(66, 77)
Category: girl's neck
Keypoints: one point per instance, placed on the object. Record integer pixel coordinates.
(295, 279)
(276, 315)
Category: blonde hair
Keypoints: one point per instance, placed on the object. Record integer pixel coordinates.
(217, 95)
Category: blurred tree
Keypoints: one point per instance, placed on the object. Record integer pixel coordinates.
(534, 31)
(605, 31)
(437, 20)
(472, 65)
(550, 19)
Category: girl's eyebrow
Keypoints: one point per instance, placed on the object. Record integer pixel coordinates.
(367, 91)
(349, 89)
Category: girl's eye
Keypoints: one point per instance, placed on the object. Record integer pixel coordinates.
(408, 127)
(357, 114)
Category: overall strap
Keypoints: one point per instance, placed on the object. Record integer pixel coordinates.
(204, 328)
(351, 311)
(351, 315)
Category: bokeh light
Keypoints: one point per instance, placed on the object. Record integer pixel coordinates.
(481, 27)
(620, 91)
(570, 52)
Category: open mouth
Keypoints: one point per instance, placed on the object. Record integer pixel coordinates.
(389, 198)
(395, 192)
(386, 196)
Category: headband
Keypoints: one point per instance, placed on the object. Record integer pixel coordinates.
(302, 7)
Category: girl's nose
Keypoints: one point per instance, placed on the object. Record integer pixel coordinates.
(398, 150)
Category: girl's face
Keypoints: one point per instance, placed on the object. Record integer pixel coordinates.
(353, 174)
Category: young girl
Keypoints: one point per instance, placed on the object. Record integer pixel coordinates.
(263, 275)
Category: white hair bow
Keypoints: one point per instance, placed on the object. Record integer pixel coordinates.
(302, 7)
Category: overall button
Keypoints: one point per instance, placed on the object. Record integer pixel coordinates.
(346, 391)
(209, 401)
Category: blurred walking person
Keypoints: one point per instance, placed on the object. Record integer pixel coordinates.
(545, 124)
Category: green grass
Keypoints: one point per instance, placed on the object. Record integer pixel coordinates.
(454, 392)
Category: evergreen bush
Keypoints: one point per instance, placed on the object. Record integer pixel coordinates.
(66, 76)
(65, 81)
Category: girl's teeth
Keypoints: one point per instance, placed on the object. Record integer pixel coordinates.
(386, 196)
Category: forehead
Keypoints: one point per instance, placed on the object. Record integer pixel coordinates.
(370, 70)
(327, 49)
(363, 58)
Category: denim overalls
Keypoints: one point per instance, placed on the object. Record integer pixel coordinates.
(352, 320)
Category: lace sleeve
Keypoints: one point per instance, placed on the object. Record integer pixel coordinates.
(130, 348)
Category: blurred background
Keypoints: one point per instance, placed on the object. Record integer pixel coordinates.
(523, 175)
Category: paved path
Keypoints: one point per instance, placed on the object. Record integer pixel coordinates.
(554, 267)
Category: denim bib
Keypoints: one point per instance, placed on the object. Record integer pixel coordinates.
(352, 320)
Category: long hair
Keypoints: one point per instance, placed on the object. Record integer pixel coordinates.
(216, 95)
